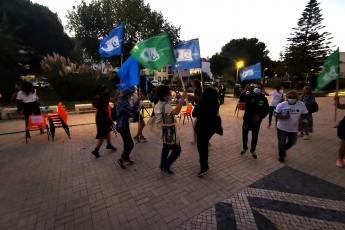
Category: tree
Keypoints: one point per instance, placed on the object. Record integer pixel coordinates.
(309, 44)
(92, 21)
(250, 50)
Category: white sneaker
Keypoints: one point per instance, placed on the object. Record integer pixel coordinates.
(306, 137)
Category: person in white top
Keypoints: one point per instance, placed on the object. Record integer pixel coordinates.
(277, 97)
(288, 114)
(28, 102)
(137, 116)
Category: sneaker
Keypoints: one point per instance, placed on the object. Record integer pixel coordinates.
(254, 155)
(301, 135)
(143, 139)
(136, 139)
(339, 163)
(281, 159)
(169, 171)
(129, 161)
(306, 137)
(110, 146)
(120, 162)
(202, 173)
(243, 151)
(95, 153)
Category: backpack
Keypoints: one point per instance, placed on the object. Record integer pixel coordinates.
(313, 108)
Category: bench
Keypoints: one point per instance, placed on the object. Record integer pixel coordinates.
(86, 108)
(11, 113)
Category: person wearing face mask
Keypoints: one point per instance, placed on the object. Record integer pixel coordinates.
(166, 115)
(256, 109)
(289, 114)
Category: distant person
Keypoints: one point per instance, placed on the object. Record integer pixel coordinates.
(207, 124)
(308, 99)
(170, 136)
(125, 111)
(221, 92)
(138, 117)
(340, 162)
(288, 114)
(103, 119)
(28, 102)
(256, 110)
(277, 97)
(197, 90)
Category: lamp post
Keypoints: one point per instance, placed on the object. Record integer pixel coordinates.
(239, 65)
(264, 78)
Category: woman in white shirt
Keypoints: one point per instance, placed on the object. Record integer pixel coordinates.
(277, 97)
(28, 101)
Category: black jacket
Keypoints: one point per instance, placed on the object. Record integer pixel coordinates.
(255, 105)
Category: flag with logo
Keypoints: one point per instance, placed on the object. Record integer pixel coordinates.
(187, 55)
(155, 52)
(111, 44)
(129, 73)
(330, 70)
(252, 72)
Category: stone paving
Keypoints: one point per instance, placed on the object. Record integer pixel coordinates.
(60, 185)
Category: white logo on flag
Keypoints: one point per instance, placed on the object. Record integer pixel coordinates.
(111, 44)
(184, 55)
(149, 54)
(248, 72)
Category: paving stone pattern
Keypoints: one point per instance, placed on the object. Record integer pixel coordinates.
(60, 185)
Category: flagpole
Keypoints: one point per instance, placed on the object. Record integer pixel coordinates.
(121, 60)
(337, 87)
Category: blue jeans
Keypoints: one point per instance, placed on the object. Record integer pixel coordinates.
(166, 159)
(285, 141)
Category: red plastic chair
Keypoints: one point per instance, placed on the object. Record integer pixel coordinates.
(187, 113)
(59, 119)
(36, 122)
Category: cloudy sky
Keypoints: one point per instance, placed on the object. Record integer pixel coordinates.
(216, 22)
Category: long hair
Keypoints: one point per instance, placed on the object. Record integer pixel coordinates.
(28, 88)
(209, 100)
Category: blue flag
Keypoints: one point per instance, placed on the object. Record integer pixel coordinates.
(129, 73)
(187, 55)
(251, 72)
(111, 44)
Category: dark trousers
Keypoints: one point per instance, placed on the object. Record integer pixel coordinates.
(202, 143)
(29, 109)
(285, 141)
(270, 115)
(168, 159)
(127, 142)
(255, 128)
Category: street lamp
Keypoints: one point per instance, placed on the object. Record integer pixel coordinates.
(239, 65)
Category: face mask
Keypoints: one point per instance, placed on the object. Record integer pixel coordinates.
(257, 90)
(291, 101)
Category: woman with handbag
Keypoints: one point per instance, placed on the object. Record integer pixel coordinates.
(340, 163)
(165, 115)
(208, 123)
(125, 111)
(103, 119)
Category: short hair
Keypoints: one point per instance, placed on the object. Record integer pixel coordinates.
(292, 93)
(162, 91)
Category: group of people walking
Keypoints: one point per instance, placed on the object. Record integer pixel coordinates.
(293, 115)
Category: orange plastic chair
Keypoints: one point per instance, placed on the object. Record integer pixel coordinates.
(36, 122)
(187, 113)
(59, 119)
(240, 106)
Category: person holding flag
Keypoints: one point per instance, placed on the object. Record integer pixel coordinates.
(329, 73)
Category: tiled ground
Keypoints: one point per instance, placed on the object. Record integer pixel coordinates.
(59, 185)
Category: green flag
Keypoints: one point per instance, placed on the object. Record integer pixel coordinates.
(155, 52)
(330, 70)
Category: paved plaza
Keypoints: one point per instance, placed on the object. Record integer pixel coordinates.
(60, 185)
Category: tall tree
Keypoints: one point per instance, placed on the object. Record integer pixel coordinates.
(309, 44)
(250, 50)
(91, 21)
